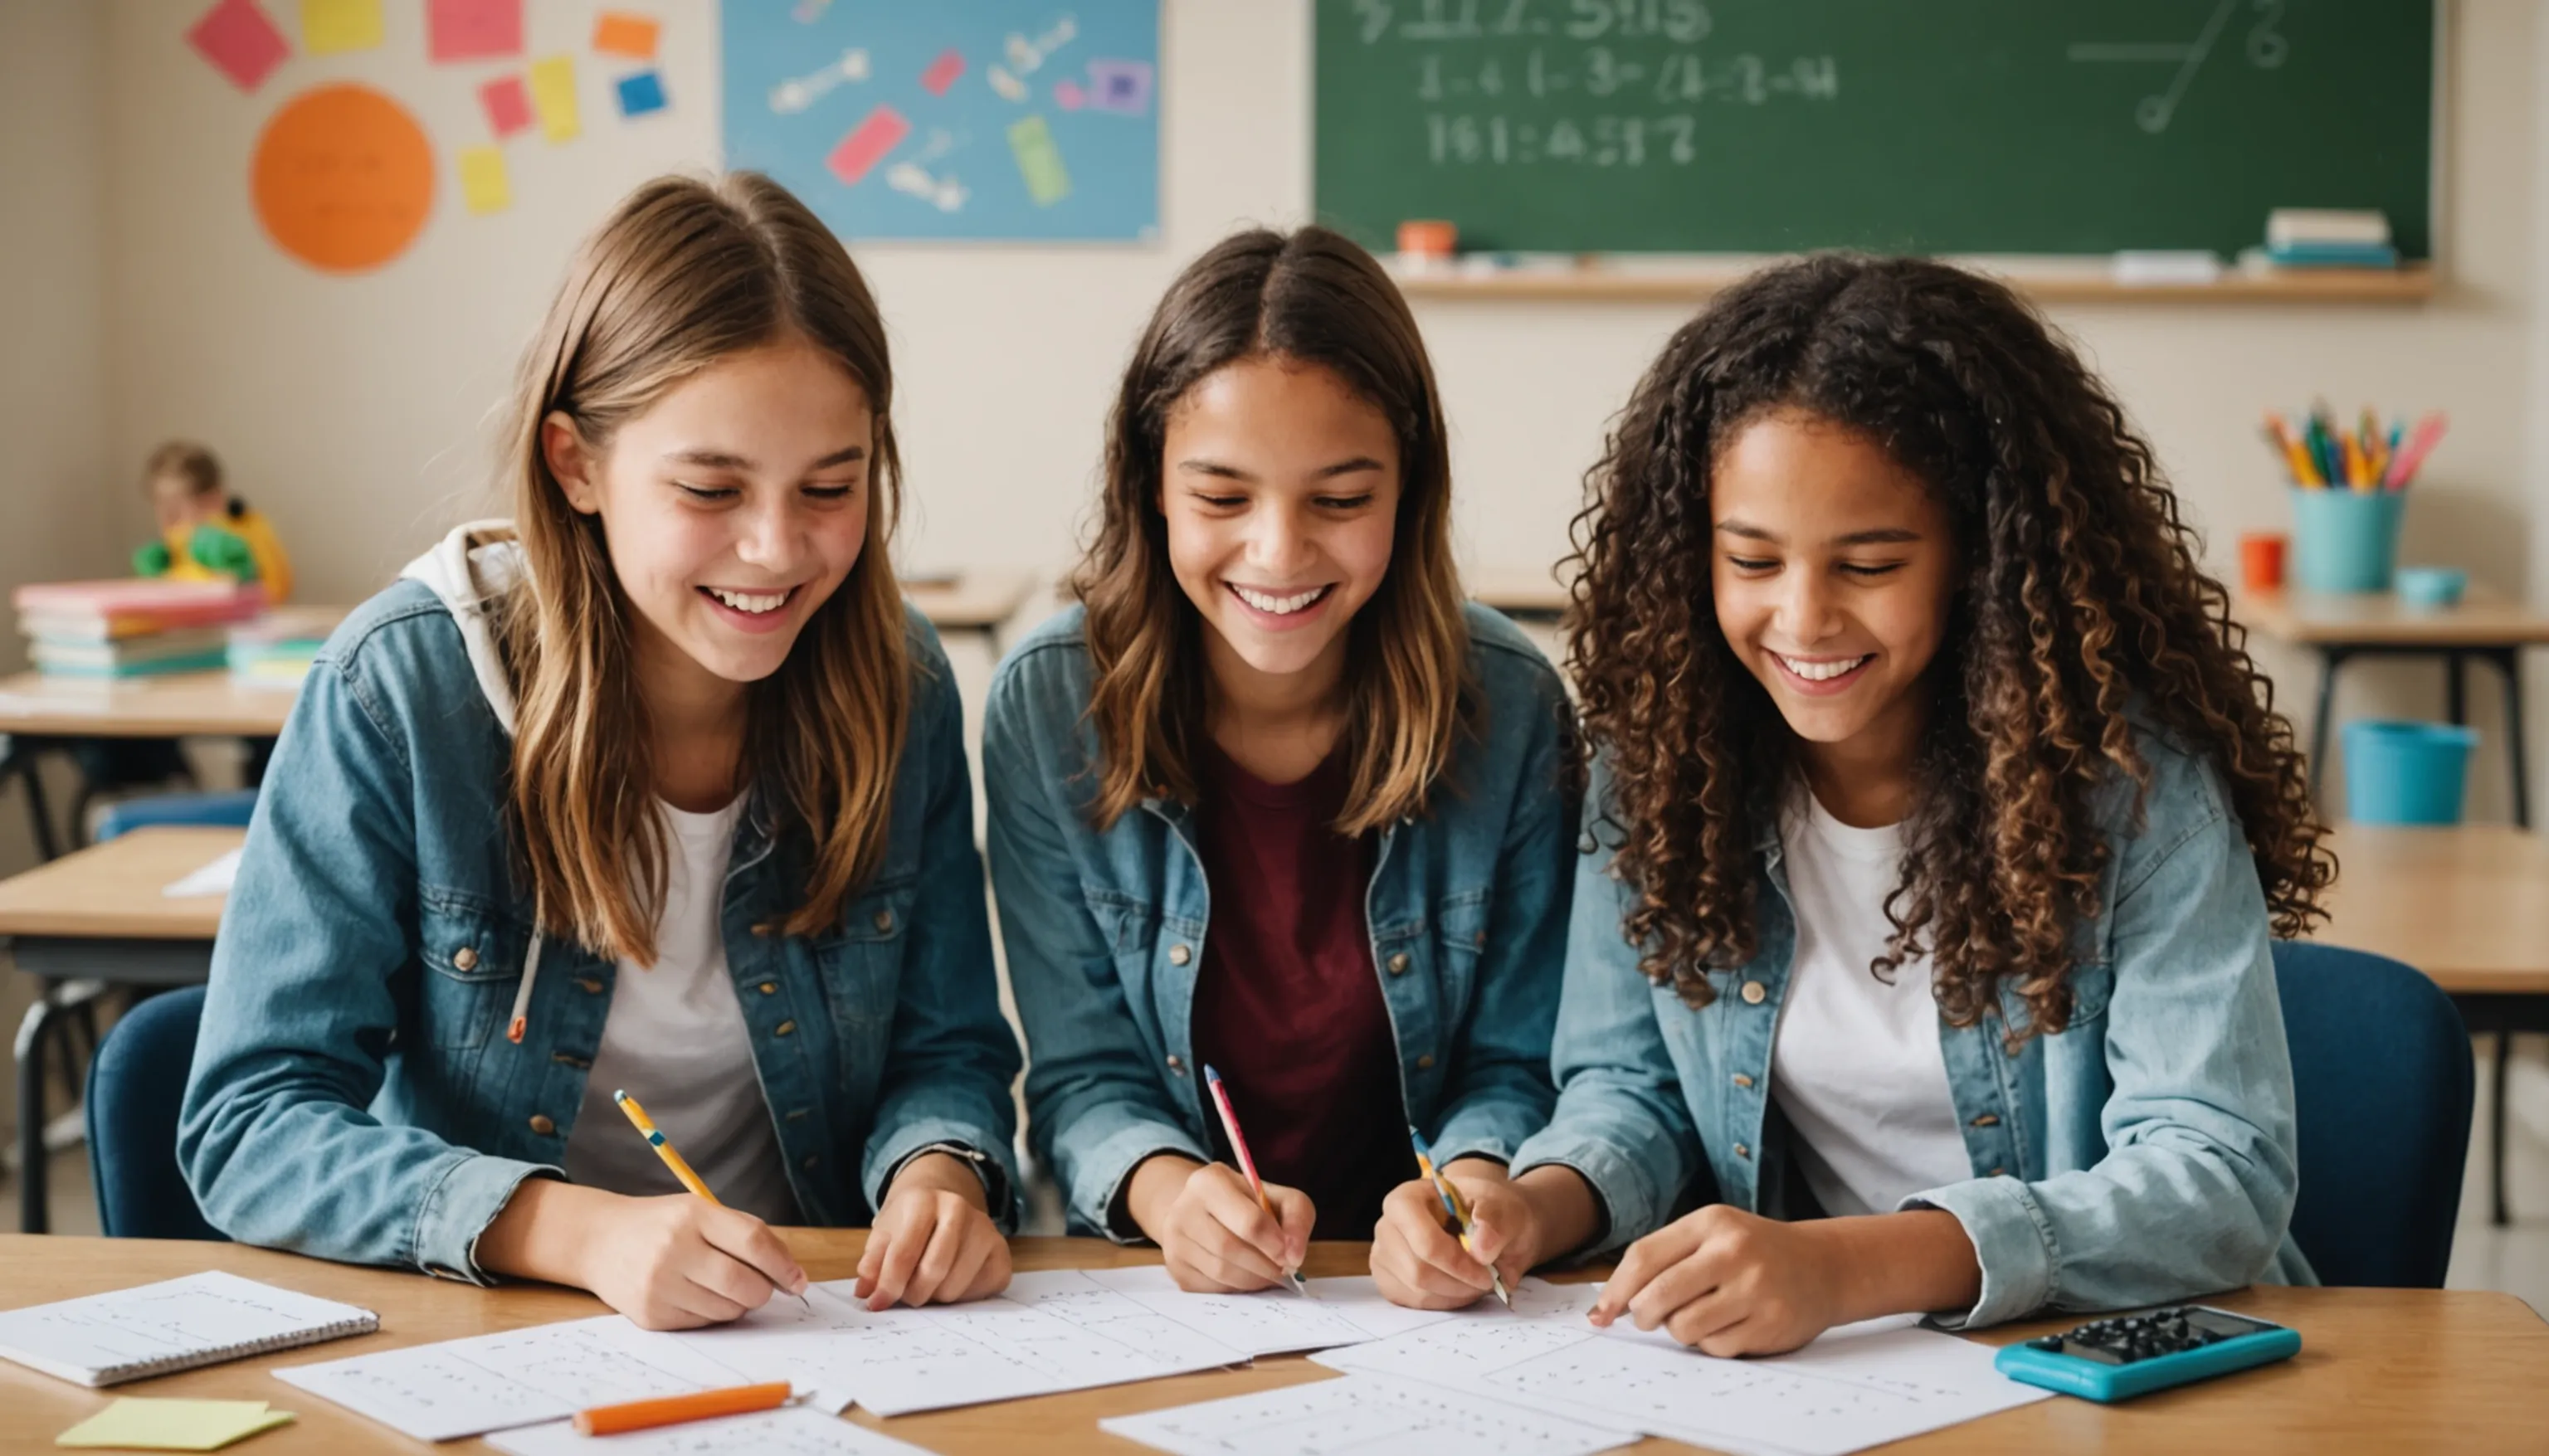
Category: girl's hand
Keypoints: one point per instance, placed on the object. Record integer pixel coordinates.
(1732, 1283)
(675, 1262)
(1210, 1230)
(934, 1239)
(1416, 1258)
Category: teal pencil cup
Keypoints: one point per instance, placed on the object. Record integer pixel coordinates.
(2346, 540)
(2405, 773)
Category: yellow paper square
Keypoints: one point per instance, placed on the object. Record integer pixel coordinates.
(139, 1423)
(483, 185)
(331, 26)
(553, 97)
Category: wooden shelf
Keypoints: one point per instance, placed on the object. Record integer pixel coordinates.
(2054, 284)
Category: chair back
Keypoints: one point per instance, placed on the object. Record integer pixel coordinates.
(136, 1083)
(228, 810)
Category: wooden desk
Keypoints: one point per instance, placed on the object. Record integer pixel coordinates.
(1523, 592)
(2380, 1370)
(976, 601)
(2485, 627)
(179, 705)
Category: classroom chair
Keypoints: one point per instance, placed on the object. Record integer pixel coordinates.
(135, 1087)
(232, 809)
(2381, 1076)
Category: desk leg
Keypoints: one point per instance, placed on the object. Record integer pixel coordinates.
(2508, 661)
(2498, 1215)
(33, 1216)
(2330, 660)
(2455, 688)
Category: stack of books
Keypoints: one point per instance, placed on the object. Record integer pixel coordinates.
(2317, 237)
(277, 649)
(133, 628)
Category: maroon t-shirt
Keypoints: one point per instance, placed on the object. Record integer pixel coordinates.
(1287, 1007)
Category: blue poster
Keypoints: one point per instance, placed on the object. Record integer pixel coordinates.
(954, 119)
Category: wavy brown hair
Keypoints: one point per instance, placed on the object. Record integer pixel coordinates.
(684, 273)
(1313, 298)
(2079, 597)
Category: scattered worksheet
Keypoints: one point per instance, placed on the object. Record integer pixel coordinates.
(1338, 1311)
(1363, 1416)
(1856, 1386)
(792, 1430)
(521, 1377)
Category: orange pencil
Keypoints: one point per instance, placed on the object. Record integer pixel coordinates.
(611, 1420)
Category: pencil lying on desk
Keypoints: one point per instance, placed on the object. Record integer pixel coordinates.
(673, 1160)
(610, 1420)
(1457, 1206)
(1246, 1164)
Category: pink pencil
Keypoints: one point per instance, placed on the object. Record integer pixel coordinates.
(1246, 1164)
(2411, 456)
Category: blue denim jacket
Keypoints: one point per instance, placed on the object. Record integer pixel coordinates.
(355, 1095)
(1104, 932)
(2144, 1153)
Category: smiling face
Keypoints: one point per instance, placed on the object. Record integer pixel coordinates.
(733, 507)
(1831, 577)
(1280, 489)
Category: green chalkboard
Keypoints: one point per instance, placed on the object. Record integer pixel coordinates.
(1916, 126)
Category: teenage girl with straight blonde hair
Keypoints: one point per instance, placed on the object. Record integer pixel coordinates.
(657, 787)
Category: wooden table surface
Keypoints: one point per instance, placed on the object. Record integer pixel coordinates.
(1521, 591)
(2484, 618)
(113, 889)
(2380, 1370)
(973, 600)
(178, 705)
(2468, 905)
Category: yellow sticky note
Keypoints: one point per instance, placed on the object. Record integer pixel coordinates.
(553, 97)
(617, 33)
(331, 26)
(139, 1423)
(482, 180)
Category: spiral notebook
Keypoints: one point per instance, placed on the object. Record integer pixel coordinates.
(176, 1324)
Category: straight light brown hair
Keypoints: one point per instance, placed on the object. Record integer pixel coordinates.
(682, 274)
(1306, 298)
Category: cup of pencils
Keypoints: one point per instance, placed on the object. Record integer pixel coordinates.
(2349, 489)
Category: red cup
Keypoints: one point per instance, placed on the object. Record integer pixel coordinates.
(2261, 561)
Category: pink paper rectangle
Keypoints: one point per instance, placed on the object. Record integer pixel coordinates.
(943, 71)
(240, 42)
(473, 30)
(867, 145)
(509, 106)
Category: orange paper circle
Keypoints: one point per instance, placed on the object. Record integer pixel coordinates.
(343, 178)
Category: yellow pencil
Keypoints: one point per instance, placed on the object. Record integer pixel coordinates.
(1457, 1206)
(672, 1158)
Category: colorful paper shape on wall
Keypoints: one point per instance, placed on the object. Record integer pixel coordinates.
(617, 33)
(641, 93)
(343, 178)
(867, 145)
(943, 71)
(483, 183)
(472, 30)
(553, 97)
(1120, 86)
(506, 104)
(1039, 161)
(240, 40)
(334, 27)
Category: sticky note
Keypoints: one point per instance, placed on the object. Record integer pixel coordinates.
(640, 94)
(472, 30)
(135, 1423)
(553, 96)
(483, 185)
(1122, 86)
(332, 27)
(240, 41)
(1039, 161)
(506, 104)
(943, 71)
(867, 144)
(617, 33)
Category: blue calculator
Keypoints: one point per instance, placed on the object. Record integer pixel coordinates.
(2135, 1354)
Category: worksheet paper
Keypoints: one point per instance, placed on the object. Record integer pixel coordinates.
(1275, 1321)
(790, 1432)
(489, 1382)
(1361, 1415)
(1855, 1387)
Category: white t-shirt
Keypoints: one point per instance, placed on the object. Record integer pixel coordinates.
(674, 1040)
(1856, 1065)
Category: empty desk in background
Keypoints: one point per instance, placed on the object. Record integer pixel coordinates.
(98, 915)
(2340, 626)
(976, 601)
(1525, 594)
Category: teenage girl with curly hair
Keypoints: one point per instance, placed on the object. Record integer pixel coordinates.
(1938, 826)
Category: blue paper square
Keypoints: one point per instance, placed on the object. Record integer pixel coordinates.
(641, 93)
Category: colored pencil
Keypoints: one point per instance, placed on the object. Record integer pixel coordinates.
(672, 1158)
(627, 1415)
(1462, 1222)
(1246, 1164)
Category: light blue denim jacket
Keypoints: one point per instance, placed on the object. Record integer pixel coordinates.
(355, 1095)
(2144, 1154)
(1467, 912)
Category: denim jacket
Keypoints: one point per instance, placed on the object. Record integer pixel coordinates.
(2142, 1154)
(355, 1093)
(1466, 913)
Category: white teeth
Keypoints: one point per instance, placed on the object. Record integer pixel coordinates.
(1281, 606)
(751, 601)
(1823, 672)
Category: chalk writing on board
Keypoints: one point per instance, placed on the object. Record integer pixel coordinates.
(2266, 49)
(1681, 22)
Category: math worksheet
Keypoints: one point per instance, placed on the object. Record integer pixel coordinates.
(490, 1381)
(1363, 1416)
(1272, 1321)
(793, 1432)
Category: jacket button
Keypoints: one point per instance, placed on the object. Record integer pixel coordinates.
(1425, 1062)
(1480, 941)
(541, 1124)
(1988, 1119)
(1177, 1065)
(1179, 954)
(1743, 1151)
(884, 921)
(1996, 1172)
(592, 985)
(769, 988)
(783, 1028)
(1753, 992)
(811, 1160)
(1741, 1080)
(1398, 964)
(466, 958)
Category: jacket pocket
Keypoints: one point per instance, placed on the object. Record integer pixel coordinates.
(861, 963)
(1460, 941)
(473, 961)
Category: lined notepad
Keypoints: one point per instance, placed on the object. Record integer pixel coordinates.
(176, 1324)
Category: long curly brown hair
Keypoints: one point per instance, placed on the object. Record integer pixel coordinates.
(2079, 595)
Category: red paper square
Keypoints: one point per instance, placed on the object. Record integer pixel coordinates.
(239, 41)
(509, 106)
(943, 71)
(867, 145)
(472, 30)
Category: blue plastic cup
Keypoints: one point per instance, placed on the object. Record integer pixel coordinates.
(2346, 540)
(2405, 773)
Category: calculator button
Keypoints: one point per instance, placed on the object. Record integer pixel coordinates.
(2051, 1344)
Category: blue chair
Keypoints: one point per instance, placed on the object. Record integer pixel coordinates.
(230, 809)
(135, 1085)
(2381, 1075)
